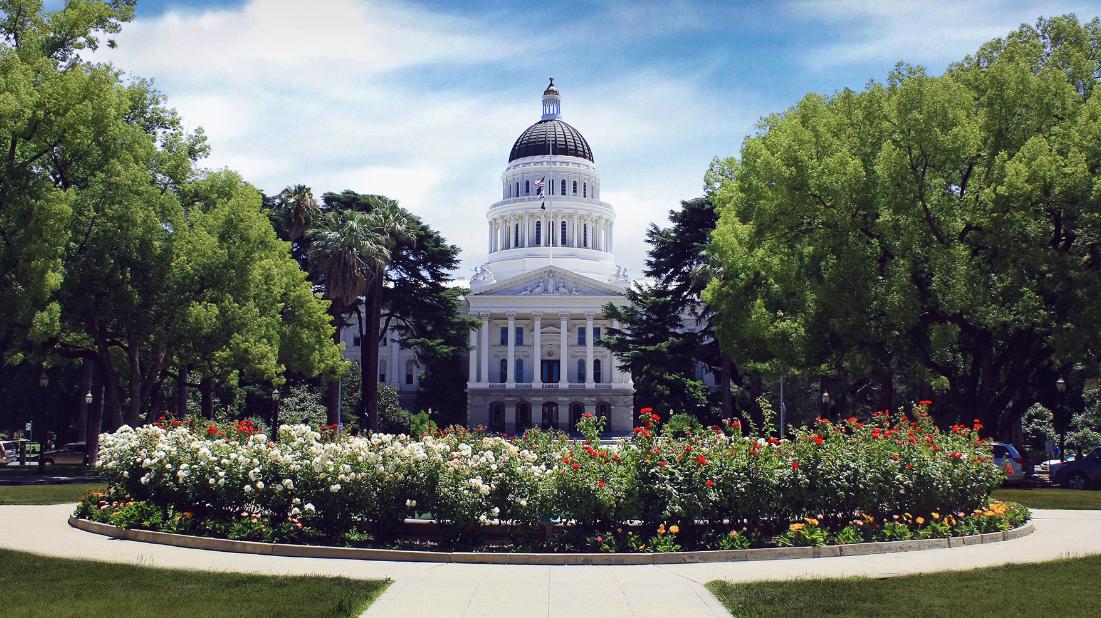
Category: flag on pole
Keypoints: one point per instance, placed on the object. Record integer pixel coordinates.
(539, 186)
(543, 206)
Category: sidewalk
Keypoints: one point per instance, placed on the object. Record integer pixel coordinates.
(426, 589)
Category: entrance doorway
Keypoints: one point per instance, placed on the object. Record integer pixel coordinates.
(550, 415)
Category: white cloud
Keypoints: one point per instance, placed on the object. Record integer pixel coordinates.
(929, 33)
(335, 95)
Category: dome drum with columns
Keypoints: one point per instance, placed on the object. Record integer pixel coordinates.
(536, 358)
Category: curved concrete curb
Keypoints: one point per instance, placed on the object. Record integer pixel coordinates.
(357, 553)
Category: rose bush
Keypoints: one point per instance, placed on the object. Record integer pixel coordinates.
(895, 476)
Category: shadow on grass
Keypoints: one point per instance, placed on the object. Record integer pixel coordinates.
(1051, 497)
(37, 586)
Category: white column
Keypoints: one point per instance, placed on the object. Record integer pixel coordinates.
(485, 347)
(537, 349)
(589, 349)
(491, 236)
(563, 342)
(510, 382)
(473, 356)
(395, 358)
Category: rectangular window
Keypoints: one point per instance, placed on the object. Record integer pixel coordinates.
(575, 187)
(580, 335)
(504, 335)
(355, 341)
(519, 335)
(563, 233)
(596, 337)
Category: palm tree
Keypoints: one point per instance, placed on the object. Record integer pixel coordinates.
(295, 207)
(393, 227)
(342, 245)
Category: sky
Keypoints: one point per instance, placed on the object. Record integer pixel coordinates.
(421, 101)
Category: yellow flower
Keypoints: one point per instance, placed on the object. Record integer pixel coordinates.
(661, 529)
(907, 515)
(936, 515)
(920, 521)
(733, 533)
(796, 527)
(811, 521)
(674, 529)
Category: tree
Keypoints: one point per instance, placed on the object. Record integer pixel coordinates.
(934, 234)
(666, 328)
(342, 245)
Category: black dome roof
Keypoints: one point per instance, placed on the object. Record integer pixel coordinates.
(550, 137)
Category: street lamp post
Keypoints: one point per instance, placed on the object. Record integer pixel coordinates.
(43, 382)
(88, 429)
(1061, 387)
(275, 415)
(826, 399)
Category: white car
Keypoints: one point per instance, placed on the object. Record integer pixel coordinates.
(1006, 456)
(9, 452)
(1051, 466)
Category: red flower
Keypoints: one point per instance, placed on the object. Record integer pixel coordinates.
(212, 430)
(662, 463)
(701, 460)
(710, 483)
(819, 440)
(575, 465)
(586, 415)
(774, 440)
(794, 465)
(600, 483)
(925, 403)
(646, 410)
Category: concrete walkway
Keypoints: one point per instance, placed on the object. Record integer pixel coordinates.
(441, 590)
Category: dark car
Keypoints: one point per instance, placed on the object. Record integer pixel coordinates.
(1082, 473)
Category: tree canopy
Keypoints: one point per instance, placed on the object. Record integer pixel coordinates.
(935, 234)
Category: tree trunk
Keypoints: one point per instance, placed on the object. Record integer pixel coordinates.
(105, 368)
(95, 419)
(724, 384)
(133, 356)
(332, 389)
(369, 366)
(156, 401)
(82, 406)
(206, 390)
(181, 389)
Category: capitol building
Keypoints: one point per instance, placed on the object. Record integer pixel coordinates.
(536, 358)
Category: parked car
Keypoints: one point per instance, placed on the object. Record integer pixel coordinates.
(1082, 473)
(1051, 466)
(1007, 456)
(71, 453)
(9, 452)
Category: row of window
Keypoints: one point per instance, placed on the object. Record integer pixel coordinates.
(513, 190)
(410, 372)
(549, 417)
(539, 234)
(580, 335)
(550, 371)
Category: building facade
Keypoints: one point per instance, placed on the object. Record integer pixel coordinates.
(536, 357)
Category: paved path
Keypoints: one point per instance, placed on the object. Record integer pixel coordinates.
(441, 590)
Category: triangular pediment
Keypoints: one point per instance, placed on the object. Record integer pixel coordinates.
(550, 281)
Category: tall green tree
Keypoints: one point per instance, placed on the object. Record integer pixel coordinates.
(938, 234)
(665, 327)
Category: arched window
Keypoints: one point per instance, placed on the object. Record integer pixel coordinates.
(596, 370)
(585, 189)
(516, 236)
(585, 235)
(382, 371)
(576, 410)
(527, 187)
(563, 186)
(603, 410)
(523, 416)
(517, 189)
(575, 187)
(538, 233)
(563, 233)
(519, 370)
(580, 370)
(503, 377)
(551, 183)
(409, 372)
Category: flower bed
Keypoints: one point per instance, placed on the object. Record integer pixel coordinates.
(896, 477)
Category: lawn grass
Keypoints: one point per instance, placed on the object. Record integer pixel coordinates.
(1061, 587)
(16, 471)
(54, 587)
(46, 494)
(1051, 498)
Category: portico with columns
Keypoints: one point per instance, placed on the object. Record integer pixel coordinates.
(536, 357)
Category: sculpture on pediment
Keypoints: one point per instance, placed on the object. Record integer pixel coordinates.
(621, 274)
(551, 286)
(482, 274)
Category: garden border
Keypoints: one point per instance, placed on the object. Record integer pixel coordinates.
(361, 553)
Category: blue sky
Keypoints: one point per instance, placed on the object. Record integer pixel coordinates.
(422, 100)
